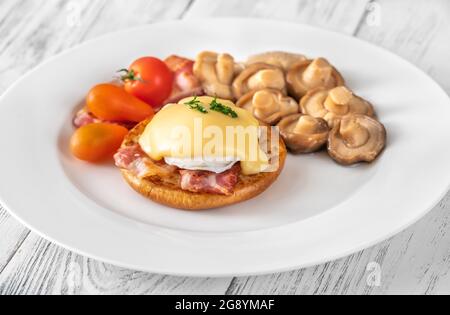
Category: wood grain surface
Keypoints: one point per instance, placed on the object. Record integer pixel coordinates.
(417, 261)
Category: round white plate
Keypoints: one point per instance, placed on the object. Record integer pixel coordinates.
(316, 212)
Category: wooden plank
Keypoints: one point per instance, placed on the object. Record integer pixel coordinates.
(42, 268)
(34, 30)
(343, 16)
(418, 33)
(12, 235)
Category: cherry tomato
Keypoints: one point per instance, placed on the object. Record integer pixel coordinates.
(97, 142)
(150, 80)
(113, 103)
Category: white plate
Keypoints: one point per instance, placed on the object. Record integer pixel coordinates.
(316, 212)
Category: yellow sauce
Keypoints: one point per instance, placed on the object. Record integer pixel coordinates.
(179, 131)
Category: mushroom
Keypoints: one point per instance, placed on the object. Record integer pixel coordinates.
(356, 138)
(332, 105)
(281, 59)
(257, 77)
(269, 105)
(303, 133)
(216, 73)
(311, 74)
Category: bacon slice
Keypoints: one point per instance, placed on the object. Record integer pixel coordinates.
(186, 83)
(207, 182)
(84, 117)
(128, 155)
(133, 159)
(180, 64)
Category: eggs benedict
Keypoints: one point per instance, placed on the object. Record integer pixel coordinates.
(201, 153)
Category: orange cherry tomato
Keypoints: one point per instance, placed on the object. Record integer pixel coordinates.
(97, 142)
(112, 103)
(150, 80)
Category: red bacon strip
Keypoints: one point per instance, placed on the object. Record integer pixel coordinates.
(84, 117)
(186, 83)
(133, 159)
(208, 182)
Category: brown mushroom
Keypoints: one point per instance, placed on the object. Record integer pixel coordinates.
(311, 74)
(269, 105)
(356, 138)
(303, 133)
(257, 77)
(281, 59)
(216, 73)
(332, 105)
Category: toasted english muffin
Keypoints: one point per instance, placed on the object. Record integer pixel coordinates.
(167, 191)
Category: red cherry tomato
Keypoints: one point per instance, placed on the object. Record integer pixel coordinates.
(97, 142)
(112, 103)
(150, 80)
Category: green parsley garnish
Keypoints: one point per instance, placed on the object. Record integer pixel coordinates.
(226, 110)
(195, 104)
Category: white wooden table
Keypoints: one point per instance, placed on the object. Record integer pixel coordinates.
(416, 261)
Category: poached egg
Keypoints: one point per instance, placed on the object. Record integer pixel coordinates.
(202, 138)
